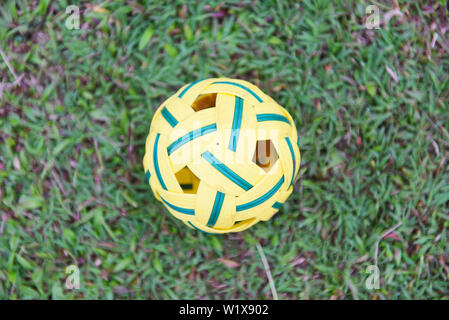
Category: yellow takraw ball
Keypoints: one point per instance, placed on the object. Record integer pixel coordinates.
(221, 155)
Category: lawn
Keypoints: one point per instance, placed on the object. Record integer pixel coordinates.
(371, 107)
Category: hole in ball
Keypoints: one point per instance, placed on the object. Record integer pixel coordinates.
(187, 180)
(204, 101)
(265, 155)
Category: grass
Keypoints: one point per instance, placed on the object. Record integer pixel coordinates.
(371, 107)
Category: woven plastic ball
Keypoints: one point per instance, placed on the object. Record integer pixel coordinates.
(221, 155)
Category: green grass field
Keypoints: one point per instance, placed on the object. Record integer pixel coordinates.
(371, 108)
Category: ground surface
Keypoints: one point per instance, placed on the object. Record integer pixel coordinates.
(371, 107)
